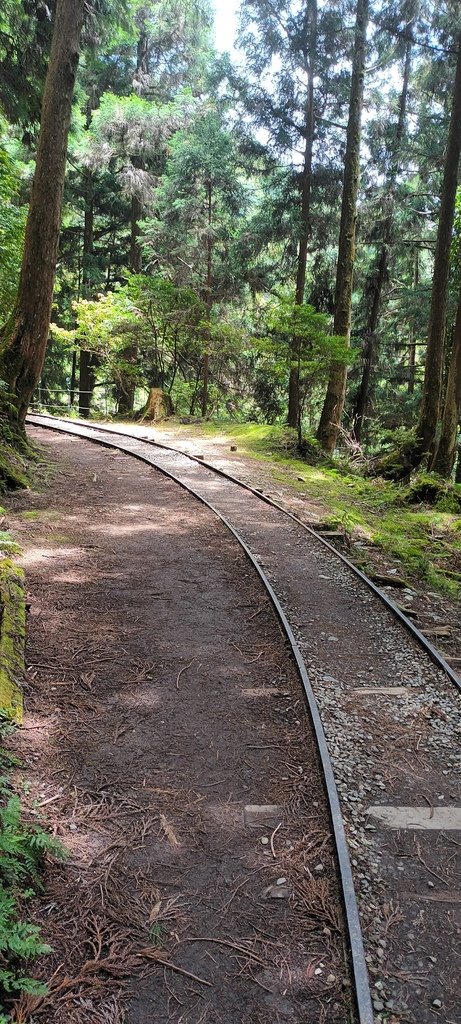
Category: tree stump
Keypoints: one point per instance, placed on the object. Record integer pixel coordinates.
(158, 406)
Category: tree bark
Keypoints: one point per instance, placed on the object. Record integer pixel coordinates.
(158, 406)
(412, 345)
(294, 404)
(88, 361)
(361, 402)
(380, 272)
(24, 337)
(126, 389)
(336, 391)
(208, 300)
(135, 248)
(458, 467)
(87, 380)
(433, 371)
(446, 453)
(73, 378)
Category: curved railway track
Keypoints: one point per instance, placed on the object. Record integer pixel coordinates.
(258, 524)
(435, 655)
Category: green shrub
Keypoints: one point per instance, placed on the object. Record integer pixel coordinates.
(23, 846)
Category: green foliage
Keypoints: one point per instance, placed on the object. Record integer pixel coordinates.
(167, 325)
(185, 159)
(12, 225)
(283, 320)
(25, 36)
(319, 348)
(23, 846)
(201, 204)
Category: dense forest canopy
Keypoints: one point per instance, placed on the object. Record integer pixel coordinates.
(269, 234)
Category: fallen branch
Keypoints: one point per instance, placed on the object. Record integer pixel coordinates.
(152, 954)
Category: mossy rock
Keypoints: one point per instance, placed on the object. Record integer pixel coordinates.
(12, 640)
(433, 490)
(15, 452)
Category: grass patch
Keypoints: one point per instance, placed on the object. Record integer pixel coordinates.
(423, 536)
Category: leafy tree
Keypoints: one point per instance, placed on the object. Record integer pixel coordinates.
(318, 349)
(199, 205)
(293, 94)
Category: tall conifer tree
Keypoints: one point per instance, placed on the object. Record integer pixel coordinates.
(23, 339)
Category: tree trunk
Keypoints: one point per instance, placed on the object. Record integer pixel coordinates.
(158, 406)
(126, 388)
(294, 405)
(458, 467)
(24, 338)
(361, 402)
(433, 371)
(208, 301)
(336, 391)
(380, 272)
(411, 363)
(87, 380)
(73, 378)
(412, 346)
(135, 248)
(446, 453)
(88, 236)
(88, 361)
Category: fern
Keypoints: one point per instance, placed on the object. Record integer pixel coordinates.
(23, 846)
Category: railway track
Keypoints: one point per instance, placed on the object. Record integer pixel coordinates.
(382, 701)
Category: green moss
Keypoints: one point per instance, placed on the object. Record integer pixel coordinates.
(12, 640)
(15, 454)
(38, 514)
(56, 538)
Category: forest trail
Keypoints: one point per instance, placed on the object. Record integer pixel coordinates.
(161, 703)
(437, 614)
(391, 721)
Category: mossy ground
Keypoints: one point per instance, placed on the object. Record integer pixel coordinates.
(12, 640)
(38, 514)
(16, 456)
(425, 538)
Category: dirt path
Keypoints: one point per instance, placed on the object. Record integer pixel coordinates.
(392, 724)
(160, 704)
(436, 614)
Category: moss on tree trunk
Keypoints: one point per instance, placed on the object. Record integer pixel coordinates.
(433, 371)
(24, 337)
(446, 453)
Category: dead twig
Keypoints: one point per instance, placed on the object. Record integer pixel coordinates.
(184, 670)
(272, 839)
(230, 945)
(153, 954)
(423, 862)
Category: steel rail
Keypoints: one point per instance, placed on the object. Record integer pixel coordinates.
(362, 991)
(434, 654)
